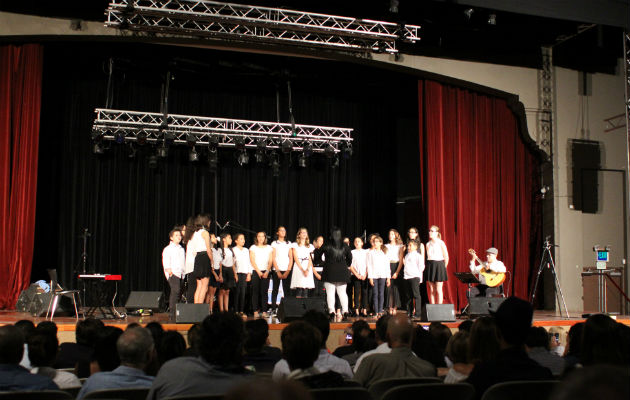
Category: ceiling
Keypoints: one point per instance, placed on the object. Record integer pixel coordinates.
(584, 37)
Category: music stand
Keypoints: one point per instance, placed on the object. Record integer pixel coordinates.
(468, 278)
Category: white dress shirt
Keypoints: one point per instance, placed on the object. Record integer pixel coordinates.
(261, 256)
(174, 258)
(325, 362)
(435, 251)
(243, 265)
(414, 265)
(378, 265)
(282, 254)
(359, 261)
(382, 348)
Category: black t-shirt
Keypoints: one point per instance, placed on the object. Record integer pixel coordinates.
(336, 263)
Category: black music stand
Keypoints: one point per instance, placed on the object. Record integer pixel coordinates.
(468, 278)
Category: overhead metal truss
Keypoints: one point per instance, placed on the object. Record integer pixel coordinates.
(153, 128)
(196, 18)
(544, 116)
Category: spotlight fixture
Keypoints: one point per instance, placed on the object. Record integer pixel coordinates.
(275, 164)
(96, 135)
(335, 162)
(213, 159)
(261, 144)
(191, 139)
(242, 158)
(308, 149)
(153, 161)
(260, 156)
(239, 142)
(162, 152)
(329, 151)
(287, 146)
(169, 138)
(193, 155)
(302, 161)
(492, 19)
(393, 6)
(132, 151)
(213, 142)
(346, 150)
(98, 148)
(141, 138)
(469, 13)
(119, 137)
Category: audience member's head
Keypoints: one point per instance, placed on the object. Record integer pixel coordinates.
(483, 343)
(537, 336)
(424, 347)
(320, 321)
(441, 333)
(222, 339)
(11, 344)
(595, 382)
(135, 347)
(172, 346)
(256, 335)
(361, 332)
(399, 331)
(105, 353)
(457, 348)
(88, 331)
(133, 325)
(301, 342)
(514, 317)
(47, 327)
(601, 342)
(269, 390)
(194, 338)
(156, 330)
(26, 326)
(381, 328)
(42, 348)
(465, 325)
(574, 340)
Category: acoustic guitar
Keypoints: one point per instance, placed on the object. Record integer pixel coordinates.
(493, 279)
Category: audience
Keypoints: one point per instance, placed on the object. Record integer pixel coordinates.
(135, 349)
(257, 389)
(513, 319)
(457, 353)
(259, 356)
(599, 333)
(27, 327)
(573, 349)
(301, 343)
(358, 328)
(325, 361)
(537, 346)
(194, 340)
(13, 376)
(79, 355)
(483, 343)
(43, 347)
(215, 371)
(594, 383)
(424, 347)
(105, 357)
(172, 346)
(441, 335)
(381, 340)
(361, 343)
(465, 325)
(401, 362)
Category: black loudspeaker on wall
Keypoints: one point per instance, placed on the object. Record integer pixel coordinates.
(292, 308)
(483, 305)
(586, 162)
(144, 301)
(438, 313)
(191, 313)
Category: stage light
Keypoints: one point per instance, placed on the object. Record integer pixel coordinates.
(307, 149)
(261, 144)
(96, 135)
(141, 138)
(191, 139)
(153, 161)
(98, 148)
(260, 156)
(492, 19)
(469, 13)
(335, 162)
(169, 138)
(346, 150)
(193, 155)
(213, 142)
(393, 6)
(302, 161)
(275, 164)
(132, 151)
(119, 137)
(213, 159)
(243, 158)
(162, 152)
(239, 142)
(287, 146)
(329, 151)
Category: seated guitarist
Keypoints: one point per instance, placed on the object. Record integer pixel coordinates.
(491, 265)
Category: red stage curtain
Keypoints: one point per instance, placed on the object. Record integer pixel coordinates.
(479, 180)
(20, 100)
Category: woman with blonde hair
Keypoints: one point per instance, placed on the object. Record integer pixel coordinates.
(303, 272)
(437, 262)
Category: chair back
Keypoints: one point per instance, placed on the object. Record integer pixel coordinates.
(378, 388)
(37, 395)
(197, 397)
(122, 394)
(459, 391)
(341, 393)
(54, 283)
(520, 390)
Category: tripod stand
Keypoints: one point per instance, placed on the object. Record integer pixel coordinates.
(547, 258)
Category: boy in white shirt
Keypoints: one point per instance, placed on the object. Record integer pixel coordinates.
(413, 270)
(173, 261)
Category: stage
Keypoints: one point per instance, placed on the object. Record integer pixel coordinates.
(66, 325)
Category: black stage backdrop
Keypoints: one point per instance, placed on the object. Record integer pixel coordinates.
(130, 208)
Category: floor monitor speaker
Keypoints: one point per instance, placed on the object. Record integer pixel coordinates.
(292, 308)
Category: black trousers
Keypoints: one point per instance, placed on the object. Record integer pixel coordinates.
(175, 284)
(319, 290)
(241, 291)
(260, 288)
(360, 290)
(286, 287)
(191, 288)
(413, 293)
(485, 291)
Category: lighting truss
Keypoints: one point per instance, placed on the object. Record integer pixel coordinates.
(197, 18)
(113, 124)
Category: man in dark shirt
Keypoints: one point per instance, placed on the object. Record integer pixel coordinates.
(514, 318)
(78, 355)
(259, 356)
(13, 377)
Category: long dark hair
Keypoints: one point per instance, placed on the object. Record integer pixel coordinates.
(483, 342)
(190, 229)
(202, 221)
(222, 246)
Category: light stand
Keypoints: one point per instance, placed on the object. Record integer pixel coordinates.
(547, 258)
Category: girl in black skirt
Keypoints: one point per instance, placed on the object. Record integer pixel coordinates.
(202, 250)
(215, 272)
(227, 272)
(437, 262)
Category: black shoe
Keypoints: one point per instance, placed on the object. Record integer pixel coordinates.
(331, 317)
(345, 317)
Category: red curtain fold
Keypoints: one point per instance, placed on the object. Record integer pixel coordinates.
(20, 102)
(478, 182)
